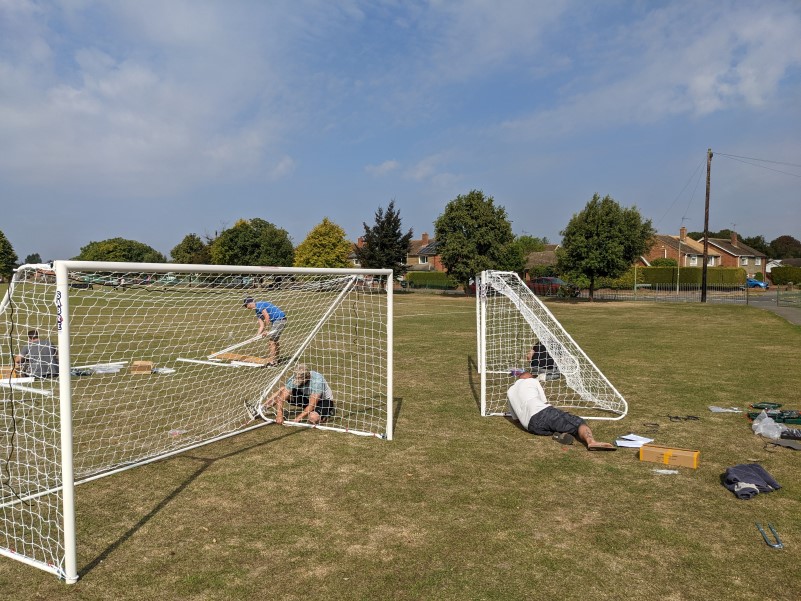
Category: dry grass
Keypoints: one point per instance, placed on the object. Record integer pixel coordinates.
(464, 507)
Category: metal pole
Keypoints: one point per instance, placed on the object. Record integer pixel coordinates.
(706, 224)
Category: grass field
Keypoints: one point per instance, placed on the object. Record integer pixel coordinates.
(464, 507)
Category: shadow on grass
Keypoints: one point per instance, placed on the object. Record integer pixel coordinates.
(472, 375)
(205, 463)
(397, 403)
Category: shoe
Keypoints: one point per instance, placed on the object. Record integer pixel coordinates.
(251, 411)
(601, 446)
(563, 438)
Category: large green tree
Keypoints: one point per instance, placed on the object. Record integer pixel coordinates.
(253, 242)
(8, 258)
(191, 250)
(120, 249)
(758, 243)
(33, 259)
(473, 234)
(324, 246)
(785, 247)
(603, 240)
(385, 246)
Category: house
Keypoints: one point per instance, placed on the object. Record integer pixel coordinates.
(423, 256)
(542, 258)
(733, 253)
(352, 254)
(685, 251)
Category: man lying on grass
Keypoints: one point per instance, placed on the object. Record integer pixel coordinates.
(528, 405)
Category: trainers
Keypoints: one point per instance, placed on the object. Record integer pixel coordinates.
(563, 438)
(253, 413)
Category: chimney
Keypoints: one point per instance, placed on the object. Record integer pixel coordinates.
(360, 241)
(734, 238)
(425, 238)
(682, 233)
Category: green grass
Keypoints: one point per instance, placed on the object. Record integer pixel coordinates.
(464, 507)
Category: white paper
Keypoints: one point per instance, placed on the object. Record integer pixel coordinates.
(632, 441)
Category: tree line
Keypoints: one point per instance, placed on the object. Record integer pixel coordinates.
(472, 234)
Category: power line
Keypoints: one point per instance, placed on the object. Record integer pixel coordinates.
(734, 156)
(679, 194)
(740, 160)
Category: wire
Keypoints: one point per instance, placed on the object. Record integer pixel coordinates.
(739, 160)
(734, 156)
(680, 193)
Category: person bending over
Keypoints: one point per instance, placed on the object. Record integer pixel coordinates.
(307, 389)
(272, 321)
(528, 405)
(39, 358)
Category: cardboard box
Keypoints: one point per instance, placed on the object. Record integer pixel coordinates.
(7, 371)
(669, 455)
(142, 367)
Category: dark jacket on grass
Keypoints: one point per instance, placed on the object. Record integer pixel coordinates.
(748, 480)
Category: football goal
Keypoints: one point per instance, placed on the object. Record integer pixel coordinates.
(107, 366)
(517, 331)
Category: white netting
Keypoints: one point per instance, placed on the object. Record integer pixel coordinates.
(148, 378)
(520, 332)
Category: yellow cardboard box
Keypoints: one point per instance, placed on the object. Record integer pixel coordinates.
(669, 455)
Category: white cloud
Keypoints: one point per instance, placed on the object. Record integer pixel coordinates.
(382, 169)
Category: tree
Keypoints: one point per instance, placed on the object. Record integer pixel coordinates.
(191, 250)
(252, 242)
(33, 259)
(120, 249)
(385, 245)
(603, 240)
(664, 262)
(324, 246)
(722, 234)
(473, 235)
(8, 258)
(785, 247)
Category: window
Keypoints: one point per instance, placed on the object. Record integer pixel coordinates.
(423, 260)
(743, 261)
(710, 261)
(758, 261)
(693, 260)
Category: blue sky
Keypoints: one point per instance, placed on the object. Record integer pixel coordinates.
(150, 120)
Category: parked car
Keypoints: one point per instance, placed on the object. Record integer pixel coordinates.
(752, 283)
(548, 286)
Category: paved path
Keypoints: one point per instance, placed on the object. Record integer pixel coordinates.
(791, 314)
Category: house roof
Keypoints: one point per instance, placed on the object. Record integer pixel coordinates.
(544, 257)
(795, 262)
(429, 250)
(688, 245)
(736, 250)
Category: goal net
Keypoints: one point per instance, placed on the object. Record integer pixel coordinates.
(517, 331)
(137, 362)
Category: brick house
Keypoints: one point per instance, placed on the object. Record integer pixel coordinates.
(685, 251)
(542, 258)
(423, 256)
(733, 253)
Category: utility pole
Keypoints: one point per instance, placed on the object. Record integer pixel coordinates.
(706, 224)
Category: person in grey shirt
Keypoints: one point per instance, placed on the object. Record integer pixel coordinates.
(39, 358)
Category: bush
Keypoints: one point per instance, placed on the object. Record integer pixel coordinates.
(785, 274)
(431, 279)
(726, 276)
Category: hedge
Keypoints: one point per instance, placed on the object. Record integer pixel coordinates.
(785, 274)
(692, 275)
(431, 279)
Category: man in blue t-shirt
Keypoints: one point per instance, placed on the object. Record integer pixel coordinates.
(272, 321)
(305, 388)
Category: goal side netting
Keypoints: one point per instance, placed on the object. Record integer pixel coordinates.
(517, 331)
(156, 359)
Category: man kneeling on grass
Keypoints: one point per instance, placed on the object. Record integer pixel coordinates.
(305, 389)
(528, 405)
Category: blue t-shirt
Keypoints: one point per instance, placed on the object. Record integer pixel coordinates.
(273, 312)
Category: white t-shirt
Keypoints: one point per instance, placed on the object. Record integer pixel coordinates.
(526, 397)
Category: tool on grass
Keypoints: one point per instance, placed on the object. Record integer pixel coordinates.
(778, 544)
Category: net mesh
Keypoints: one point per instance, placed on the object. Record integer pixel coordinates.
(521, 333)
(149, 377)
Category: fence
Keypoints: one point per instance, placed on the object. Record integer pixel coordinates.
(687, 293)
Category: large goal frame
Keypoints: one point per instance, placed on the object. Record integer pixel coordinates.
(359, 306)
(510, 319)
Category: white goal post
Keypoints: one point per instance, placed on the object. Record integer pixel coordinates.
(517, 331)
(157, 359)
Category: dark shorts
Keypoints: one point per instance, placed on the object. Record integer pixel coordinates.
(551, 420)
(325, 407)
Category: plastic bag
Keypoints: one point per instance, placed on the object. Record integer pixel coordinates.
(766, 426)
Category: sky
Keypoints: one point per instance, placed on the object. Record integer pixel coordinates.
(150, 120)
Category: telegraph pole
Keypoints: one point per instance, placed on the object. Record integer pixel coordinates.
(706, 224)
